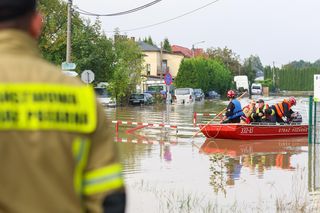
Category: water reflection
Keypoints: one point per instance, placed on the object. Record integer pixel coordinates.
(164, 167)
(229, 157)
(314, 168)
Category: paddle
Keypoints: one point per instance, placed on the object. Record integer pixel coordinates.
(216, 116)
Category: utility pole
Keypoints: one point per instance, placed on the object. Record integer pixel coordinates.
(161, 58)
(192, 50)
(68, 55)
(273, 76)
(193, 47)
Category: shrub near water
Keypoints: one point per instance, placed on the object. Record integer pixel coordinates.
(207, 74)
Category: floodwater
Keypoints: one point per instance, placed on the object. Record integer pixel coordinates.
(168, 170)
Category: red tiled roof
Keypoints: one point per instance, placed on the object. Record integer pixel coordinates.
(182, 50)
(198, 52)
(187, 52)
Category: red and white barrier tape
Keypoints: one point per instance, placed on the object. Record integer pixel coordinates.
(206, 114)
(195, 114)
(128, 140)
(144, 124)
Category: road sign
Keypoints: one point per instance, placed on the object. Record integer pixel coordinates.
(68, 66)
(87, 76)
(70, 73)
(168, 79)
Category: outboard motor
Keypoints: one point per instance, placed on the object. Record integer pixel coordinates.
(297, 119)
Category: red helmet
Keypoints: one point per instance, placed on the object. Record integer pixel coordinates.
(231, 94)
(292, 100)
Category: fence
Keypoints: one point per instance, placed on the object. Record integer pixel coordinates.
(314, 122)
(314, 147)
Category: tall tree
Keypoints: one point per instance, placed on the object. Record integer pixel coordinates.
(118, 62)
(249, 70)
(166, 45)
(127, 72)
(227, 57)
(148, 40)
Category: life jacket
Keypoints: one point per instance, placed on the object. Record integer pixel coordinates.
(237, 111)
(265, 106)
(280, 109)
(246, 119)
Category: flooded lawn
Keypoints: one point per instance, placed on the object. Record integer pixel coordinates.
(166, 170)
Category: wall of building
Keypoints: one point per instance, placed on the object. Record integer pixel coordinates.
(174, 61)
(152, 58)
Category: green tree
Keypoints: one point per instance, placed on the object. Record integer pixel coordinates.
(127, 72)
(52, 42)
(249, 70)
(148, 40)
(207, 74)
(227, 57)
(166, 45)
(90, 48)
(118, 62)
(93, 50)
(251, 66)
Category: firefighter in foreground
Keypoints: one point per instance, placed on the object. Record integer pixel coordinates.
(56, 153)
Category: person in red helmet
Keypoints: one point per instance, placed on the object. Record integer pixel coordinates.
(234, 109)
(283, 111)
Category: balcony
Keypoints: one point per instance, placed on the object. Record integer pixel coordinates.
(167, 69)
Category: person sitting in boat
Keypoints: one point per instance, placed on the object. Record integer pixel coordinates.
(247, 111)
(263, 113)
(283, 111)
(234, 109)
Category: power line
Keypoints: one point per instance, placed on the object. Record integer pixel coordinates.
(171, 19)
(87, 13)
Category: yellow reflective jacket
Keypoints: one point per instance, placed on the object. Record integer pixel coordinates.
(56, 151)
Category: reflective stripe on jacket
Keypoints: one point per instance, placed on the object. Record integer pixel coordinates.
(57, 152)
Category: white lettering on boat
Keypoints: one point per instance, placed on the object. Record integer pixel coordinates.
(284, 130)
(293, 130)
(300, 129)
(246, 130)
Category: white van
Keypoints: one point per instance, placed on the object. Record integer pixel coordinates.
(184, 96)
(256, 89)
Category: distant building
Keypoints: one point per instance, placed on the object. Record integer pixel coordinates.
(154, 67)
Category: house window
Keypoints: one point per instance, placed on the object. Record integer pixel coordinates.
(164, 66)
(148, 69)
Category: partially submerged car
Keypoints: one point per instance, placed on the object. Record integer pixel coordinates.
(199, 95)
(104, 97)
(140, 98)
(184, 96)
(212, 95)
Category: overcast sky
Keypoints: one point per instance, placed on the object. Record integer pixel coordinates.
(277, 31)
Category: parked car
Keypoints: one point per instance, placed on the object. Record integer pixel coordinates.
(103, 97)
(140, 98)
(256, 89)
(212, 95)
(150, 98)
(184, 96)
(199, 95)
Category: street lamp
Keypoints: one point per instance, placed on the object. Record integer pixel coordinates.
(200, 42)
